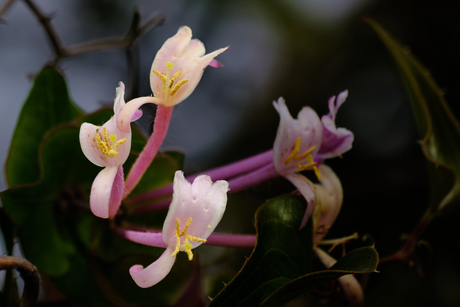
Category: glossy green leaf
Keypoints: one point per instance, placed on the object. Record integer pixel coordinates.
(282, 254)
(437, 125)
(48, 105)
(362, 260)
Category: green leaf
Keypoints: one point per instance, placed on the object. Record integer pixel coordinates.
(282, 253)
(48, 105)
(437, 125)
(40, 210)
(361, 260)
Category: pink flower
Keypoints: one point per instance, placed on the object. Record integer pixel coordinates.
(194, 213)
(108, 147)
(303, 143)
(176, 71)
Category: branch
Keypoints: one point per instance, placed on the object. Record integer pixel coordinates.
(117, 43)
(5, 6)
(50, 32)
(29, 274)
(61, 52)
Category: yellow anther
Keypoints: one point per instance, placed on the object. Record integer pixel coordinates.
(307, 159)
(169, 87)
(160, 75)
(187, 246)
(177, 86)
(106, 146)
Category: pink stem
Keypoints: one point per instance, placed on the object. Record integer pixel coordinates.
(238, 184)
(155, 238)
(259, 176)
(223, 172)
(230, 240)
(160, 128)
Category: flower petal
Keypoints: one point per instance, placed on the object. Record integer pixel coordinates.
(117, 192)
(155, 272)
(188, 57)
(307, 189)
(131, 110)
(203, 201)
(335, 140)
(307, 127)
(101, 191)
(351, 287)
(89, 146)
(329, 198)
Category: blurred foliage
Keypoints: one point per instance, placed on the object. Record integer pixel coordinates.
(437, 125)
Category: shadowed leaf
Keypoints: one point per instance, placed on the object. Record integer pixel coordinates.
(437, 125)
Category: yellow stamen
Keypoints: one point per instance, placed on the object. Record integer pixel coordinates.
(170, 87)
(106, 145)
(187, 246)
(177, 86)
(307, 162)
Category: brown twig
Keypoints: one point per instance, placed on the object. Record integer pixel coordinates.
(406, 253)
(50, 32)
(62, 52)
(4, 7)
(29, 274)
(116, 43)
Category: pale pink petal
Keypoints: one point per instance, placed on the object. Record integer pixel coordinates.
(351, 287)
(129, 111)
(89, 146)
(155, 272)
(101, 191)
(120, 98)
(203, 201)
(117, 192)
(123, 149)
(173, 47)
(336, 141)
(187, 56)
(307, 127)
(329, 198)
(192, 71)
(307, 189)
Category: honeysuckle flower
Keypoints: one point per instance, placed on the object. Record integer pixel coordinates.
(303, 144)
(108, 147)
(194, 213)
(176, 71)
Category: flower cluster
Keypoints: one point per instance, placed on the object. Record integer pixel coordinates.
(196, 204)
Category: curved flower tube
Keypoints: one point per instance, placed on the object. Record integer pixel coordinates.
(108, 147)
(350, 285)
(329, 198)
(195, 211)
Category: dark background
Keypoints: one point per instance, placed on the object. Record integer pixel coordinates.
(305, 51)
